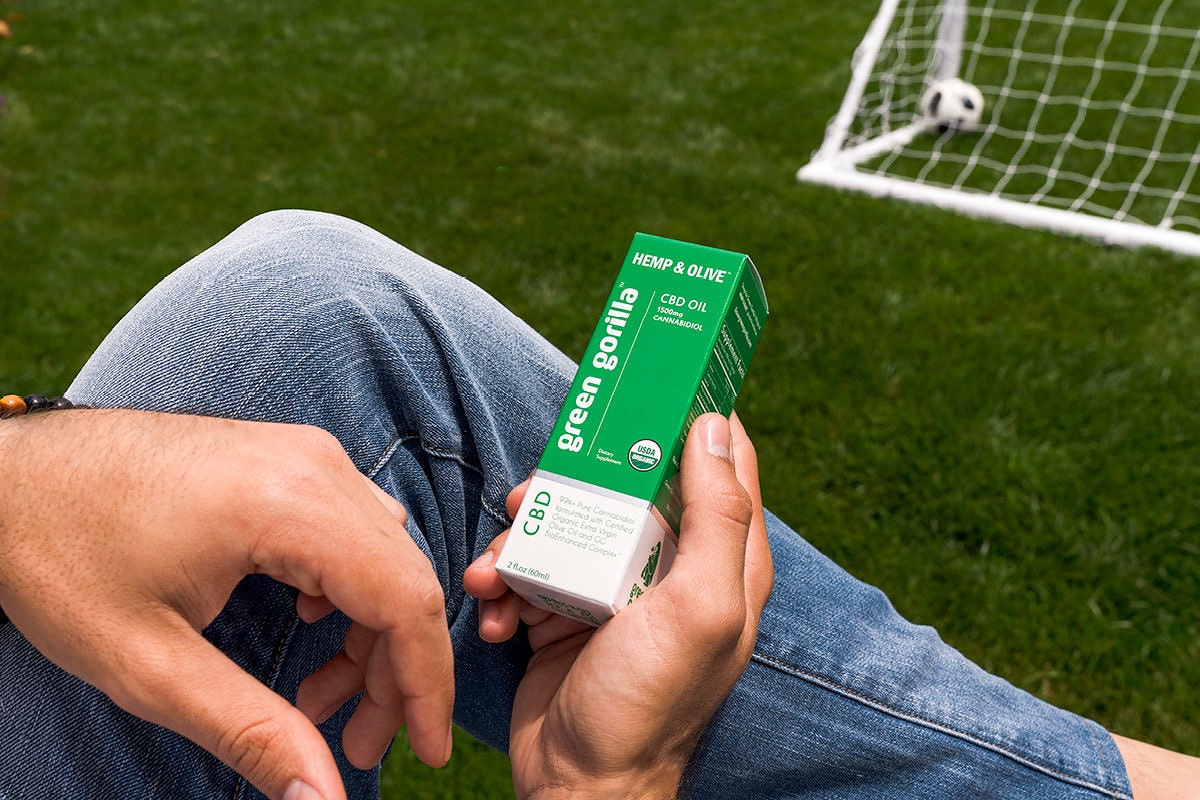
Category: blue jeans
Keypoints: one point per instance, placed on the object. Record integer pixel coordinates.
(445, 399)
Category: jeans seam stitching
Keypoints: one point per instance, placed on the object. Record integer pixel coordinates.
(950, 730)
(500, 515)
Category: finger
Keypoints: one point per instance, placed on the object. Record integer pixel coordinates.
(546, 628)
(481, 579)
(493, 626)
(760, 570)
(532, 615)
(322, 693)
(391, 504)
(499, 619)
(342, 677)
(177, 679)
(512, 503)
(417, 685)
(379, 715)
(499, 607)
(370, 569)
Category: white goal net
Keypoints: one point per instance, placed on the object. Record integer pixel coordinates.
(1091, 122)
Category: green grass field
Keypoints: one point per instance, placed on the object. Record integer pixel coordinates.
(999, 427)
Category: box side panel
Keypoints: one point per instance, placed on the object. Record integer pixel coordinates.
(725, 370)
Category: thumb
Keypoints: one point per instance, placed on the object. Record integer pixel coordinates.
(182, 682)
(717, 509)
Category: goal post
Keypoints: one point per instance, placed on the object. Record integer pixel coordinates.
(1091, 123)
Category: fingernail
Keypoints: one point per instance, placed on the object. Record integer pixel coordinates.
(299, 790)
(449, 744)
(716, 437)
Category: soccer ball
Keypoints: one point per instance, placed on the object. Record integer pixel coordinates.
(952, 105)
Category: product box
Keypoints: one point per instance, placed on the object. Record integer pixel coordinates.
(599, 524)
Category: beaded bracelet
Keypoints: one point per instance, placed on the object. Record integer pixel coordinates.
(13, 405)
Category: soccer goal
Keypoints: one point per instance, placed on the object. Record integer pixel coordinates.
(1090, 126)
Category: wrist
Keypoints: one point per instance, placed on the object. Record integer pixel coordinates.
(12, 446)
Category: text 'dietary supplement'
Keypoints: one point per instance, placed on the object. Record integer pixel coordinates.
(599, 524)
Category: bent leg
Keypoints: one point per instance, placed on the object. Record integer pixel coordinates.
(309, 318)
(445, 399)
(306, 318)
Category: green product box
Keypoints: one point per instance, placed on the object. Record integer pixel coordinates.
(599, 524)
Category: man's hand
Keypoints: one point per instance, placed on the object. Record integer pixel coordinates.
(122, 535)
(616, 711)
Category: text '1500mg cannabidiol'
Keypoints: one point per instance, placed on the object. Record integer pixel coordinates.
(600, 521)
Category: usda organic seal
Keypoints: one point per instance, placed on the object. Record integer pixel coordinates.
(645, 455)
